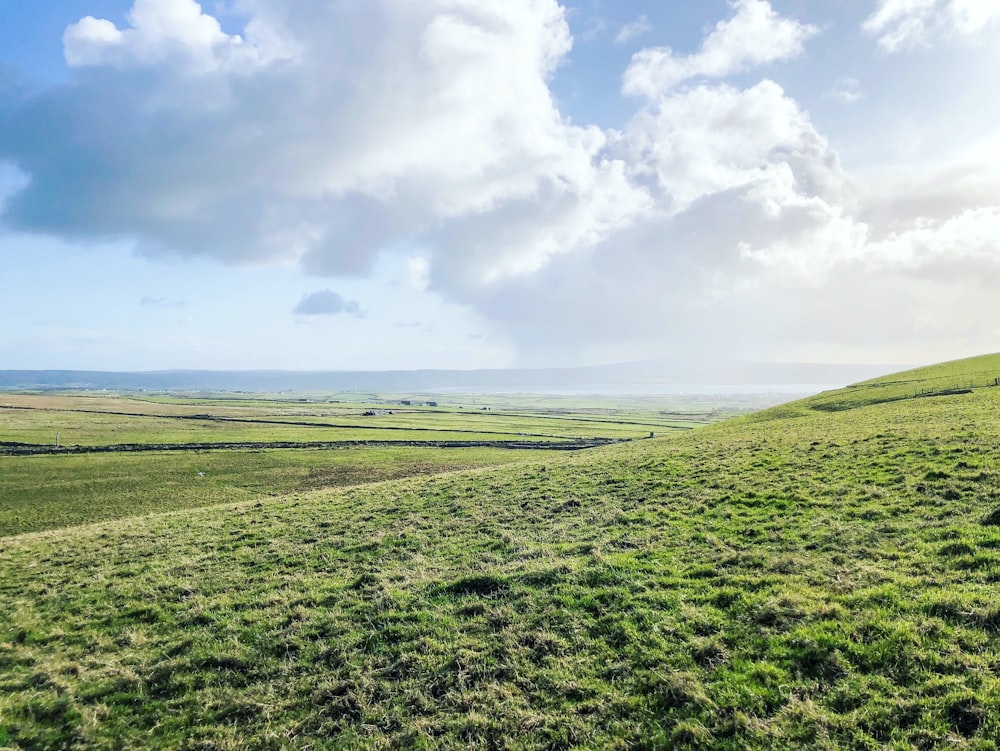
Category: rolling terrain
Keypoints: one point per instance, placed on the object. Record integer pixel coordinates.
(822, 574)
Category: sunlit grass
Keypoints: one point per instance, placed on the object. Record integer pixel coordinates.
(48, 492)
(798, 579)
(83, 420)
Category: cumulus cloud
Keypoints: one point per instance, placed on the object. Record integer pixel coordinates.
(326, 302)
(905, 24)
(159, 32)
(709, 139)
(741, 193)
(328, 133)
(323, 135)
(755, 35)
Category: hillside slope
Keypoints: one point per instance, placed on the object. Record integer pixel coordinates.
(806, 577)
(934, 380)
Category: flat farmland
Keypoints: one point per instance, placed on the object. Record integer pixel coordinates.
(52, 491)
(78, 458)
(101, 421)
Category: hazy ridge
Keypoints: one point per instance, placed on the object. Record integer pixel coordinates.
(640, 376)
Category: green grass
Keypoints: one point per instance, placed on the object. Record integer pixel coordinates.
(931, 381)
(88, 420)
(803, 578)
(48, 492)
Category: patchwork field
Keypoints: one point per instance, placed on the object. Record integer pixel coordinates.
(69, 459)
(820, 575)
(85, 420)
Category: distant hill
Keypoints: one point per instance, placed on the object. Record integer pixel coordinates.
(646, 377)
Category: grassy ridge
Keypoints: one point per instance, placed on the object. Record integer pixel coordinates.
(930, 381)
(814, 579)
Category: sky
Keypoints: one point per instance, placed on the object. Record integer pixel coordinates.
(403, 184)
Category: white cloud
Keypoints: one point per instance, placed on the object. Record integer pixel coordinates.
(741, 193)
(891, 198)
(710, 139)
(374, 131)
(905, 24)
(418, 269)
(159, 30)
(88, 40)
(756, 240)
(754, 35)
(634, 29)
(972, 16)
(949, 246)
(522, 237)
(800, 232)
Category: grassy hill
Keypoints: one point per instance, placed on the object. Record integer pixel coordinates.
(819, 575)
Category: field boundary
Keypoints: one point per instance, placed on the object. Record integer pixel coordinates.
(8, 448)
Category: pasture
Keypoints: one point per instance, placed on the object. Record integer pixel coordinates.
(796, 578)
(90, 420)
(78, 457)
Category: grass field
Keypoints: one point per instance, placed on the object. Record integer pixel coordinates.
(48, 492)
(803, 577)
(39, 492)
(87, 420)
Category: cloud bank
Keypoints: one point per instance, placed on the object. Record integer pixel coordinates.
(327, 134)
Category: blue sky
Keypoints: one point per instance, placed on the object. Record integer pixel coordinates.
(458, 184)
